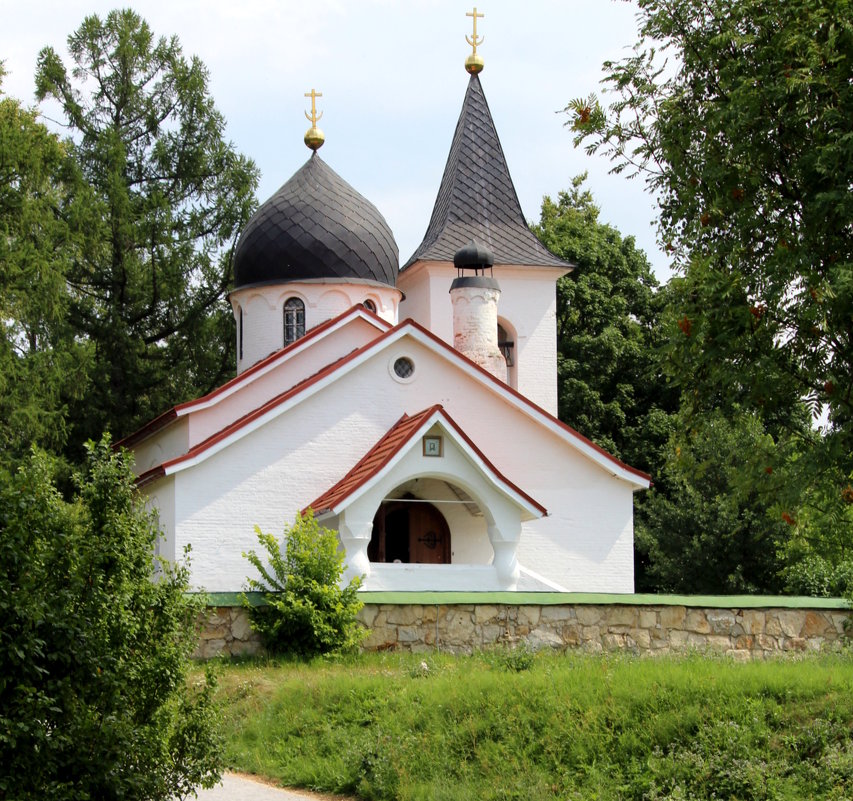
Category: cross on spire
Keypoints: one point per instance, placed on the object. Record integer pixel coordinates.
(473, 40)
(314, 116)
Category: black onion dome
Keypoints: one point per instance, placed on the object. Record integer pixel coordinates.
(316, 227)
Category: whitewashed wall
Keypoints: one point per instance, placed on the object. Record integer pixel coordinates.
(528, 302)
(263, 310)
(585, 544)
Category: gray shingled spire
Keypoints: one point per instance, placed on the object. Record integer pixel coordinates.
(476, 199)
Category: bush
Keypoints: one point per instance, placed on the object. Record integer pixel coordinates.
(94, 699)
(306, 610)
(813, 575)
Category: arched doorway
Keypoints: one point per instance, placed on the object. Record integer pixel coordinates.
(410, 531)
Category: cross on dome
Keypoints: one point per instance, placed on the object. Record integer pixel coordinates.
(314, 137)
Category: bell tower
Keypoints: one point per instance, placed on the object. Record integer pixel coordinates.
(477, 205)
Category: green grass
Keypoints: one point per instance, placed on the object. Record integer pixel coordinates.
(566, 727)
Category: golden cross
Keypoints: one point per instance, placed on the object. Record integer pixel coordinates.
(474, 41)
(314, 116)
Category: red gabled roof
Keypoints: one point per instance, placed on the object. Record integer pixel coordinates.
(169, 415)
(373, 461)
(397, 437)
(340, 363)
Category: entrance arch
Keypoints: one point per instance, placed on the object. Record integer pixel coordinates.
(410, 531)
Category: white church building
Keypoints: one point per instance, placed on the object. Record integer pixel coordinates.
(412, 409)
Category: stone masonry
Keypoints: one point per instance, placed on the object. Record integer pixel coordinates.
(742, 633)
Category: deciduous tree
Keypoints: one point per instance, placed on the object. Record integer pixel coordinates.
(738, 115)
(609, 378)
(94, 654)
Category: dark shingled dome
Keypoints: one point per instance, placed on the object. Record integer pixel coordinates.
(316, 226)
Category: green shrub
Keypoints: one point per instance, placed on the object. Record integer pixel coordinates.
(94, 654)
(517, 659)
(306, 610)
(818, 577)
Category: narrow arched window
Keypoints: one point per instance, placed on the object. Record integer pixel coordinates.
(240, 334)
(369, 305)
(506, 345)
(294, 320)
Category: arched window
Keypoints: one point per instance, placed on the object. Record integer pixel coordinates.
(294, 320)
(369, 305)
(506, 344)
(240, 334)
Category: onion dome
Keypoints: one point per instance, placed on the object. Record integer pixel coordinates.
(316, 227)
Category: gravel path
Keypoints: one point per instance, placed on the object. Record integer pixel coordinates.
(240, 787)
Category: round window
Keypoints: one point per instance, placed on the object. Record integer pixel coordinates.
(404, 367)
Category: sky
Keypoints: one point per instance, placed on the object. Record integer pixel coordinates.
(392, 78)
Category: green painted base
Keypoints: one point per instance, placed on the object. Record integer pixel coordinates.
(555, 598)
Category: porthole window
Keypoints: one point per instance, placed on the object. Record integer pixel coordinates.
(369, 305)
(294, 320)
(404, 368)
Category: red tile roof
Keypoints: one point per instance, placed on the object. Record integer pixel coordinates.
(340, 363)
(397, 437)
(171, 414)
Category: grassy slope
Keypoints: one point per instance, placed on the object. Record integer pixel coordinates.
(570, 727)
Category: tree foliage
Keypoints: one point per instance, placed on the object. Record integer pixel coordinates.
(42, 365)
(306, 611)
(705, 529)
(702, 527)
(738, 116)
(609, 377)
(169, 197)
(94, 699)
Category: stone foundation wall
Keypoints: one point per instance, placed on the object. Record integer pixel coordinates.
(225, 631)
(743, 633)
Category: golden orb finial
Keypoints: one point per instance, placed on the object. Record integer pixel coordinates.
(314, 137)
(474, 62)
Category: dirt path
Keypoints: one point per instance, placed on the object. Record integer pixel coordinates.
(241, 787)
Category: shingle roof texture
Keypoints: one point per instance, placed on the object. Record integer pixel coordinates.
(316, 226)
(374, 460)
(477, 199)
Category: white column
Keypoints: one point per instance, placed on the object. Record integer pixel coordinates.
(506, 555)
(355, 537)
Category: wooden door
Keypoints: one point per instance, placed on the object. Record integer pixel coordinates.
(429, 536)
(409, 531)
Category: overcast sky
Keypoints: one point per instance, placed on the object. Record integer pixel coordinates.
(392, 77)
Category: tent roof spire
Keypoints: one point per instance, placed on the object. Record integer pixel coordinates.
(477, 199)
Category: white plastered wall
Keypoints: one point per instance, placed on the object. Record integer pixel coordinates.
(293, 368)
(160, 497)
(264, 478)
(262, 309)
(166, 444)
(528, 302)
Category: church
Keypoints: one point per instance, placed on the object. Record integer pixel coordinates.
(412, 408)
